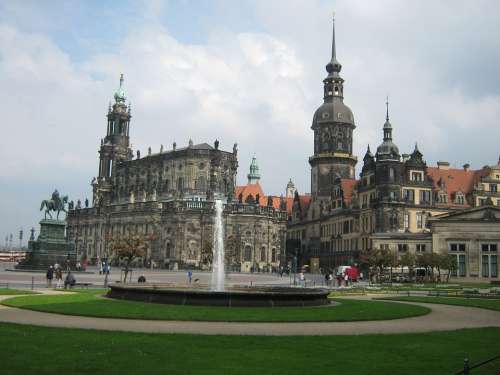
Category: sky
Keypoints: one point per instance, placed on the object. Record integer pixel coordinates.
(238, 71)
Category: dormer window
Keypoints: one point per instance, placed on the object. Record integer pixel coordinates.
(442, 197)
(416, 176)
(459, 198)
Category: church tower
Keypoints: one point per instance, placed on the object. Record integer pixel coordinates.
(115, 146)
(254, 175)
(333, 125)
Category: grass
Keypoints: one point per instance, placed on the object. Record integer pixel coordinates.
(89, 303)
(9, 291)
(75, 351)
(485, 303)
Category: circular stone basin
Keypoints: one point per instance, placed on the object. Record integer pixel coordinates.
(235, 296)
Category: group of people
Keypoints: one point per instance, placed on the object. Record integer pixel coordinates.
(344, 276)
(55, 272)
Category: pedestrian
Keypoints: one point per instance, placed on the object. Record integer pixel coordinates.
(70, 280)
(50, 276)
(302, 279)
(190, 276)
(101, 265)
(327, 279)
(346, 279)
(58, 278)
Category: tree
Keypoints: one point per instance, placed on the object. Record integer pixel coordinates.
(449, 263)
(379, 259)
(128, 249)
(408, 260)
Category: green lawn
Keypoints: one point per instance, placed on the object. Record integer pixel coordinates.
(40, 350)
(90, 304)
(485, 303)
(9, 291)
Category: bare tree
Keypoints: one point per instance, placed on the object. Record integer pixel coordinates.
(128, 249)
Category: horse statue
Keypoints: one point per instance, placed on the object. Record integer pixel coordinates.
(55, 204)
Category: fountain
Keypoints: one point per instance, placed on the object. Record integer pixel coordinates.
(218, 269)
(216, 294)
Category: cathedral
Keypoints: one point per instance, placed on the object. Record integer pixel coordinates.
(397, 203)
(168, 198)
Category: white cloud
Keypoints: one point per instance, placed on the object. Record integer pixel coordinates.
(259, 89)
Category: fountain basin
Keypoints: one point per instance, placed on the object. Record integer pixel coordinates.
(231, 297)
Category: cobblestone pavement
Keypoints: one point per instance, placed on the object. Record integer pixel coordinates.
(442, 318)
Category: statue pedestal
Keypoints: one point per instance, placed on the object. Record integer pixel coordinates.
(50, 247)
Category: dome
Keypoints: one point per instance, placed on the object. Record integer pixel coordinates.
(388, 148)
(333, 111)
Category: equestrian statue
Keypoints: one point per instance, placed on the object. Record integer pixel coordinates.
(56, 204)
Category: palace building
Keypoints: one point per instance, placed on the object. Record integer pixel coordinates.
(168, 197)
(398, 202)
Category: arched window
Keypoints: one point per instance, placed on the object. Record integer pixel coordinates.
(180, 184)
(247, 255)
(167, 185)
(263, 254)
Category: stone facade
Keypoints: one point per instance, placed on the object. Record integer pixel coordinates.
(389, 206)
(168, 198)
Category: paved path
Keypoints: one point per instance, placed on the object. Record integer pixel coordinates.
(442, 318)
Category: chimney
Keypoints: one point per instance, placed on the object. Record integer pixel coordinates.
(444, 165)
(467, 167)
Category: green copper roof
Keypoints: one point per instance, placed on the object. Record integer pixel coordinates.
(254, 175)
(120, 93)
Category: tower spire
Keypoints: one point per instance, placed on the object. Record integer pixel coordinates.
(387, 108)
(334, 52)
(333, 67)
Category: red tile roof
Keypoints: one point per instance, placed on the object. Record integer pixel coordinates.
(455, 180)
(254, 189)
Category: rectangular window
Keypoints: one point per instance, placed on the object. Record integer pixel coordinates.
(489, 266)
(493, 266)
(461, 266)
(420, 248)
(409, 195)
(416, 176)
(485, 266)
(457, 247)
(489, 247)
(406, 221)
(425, 197)
(402, 247)
(493, 188)
(419, 220)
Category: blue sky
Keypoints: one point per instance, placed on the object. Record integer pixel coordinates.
(241, 71)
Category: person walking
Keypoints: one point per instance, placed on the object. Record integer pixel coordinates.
(58, 273)
(50, 276)
(190, 276)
